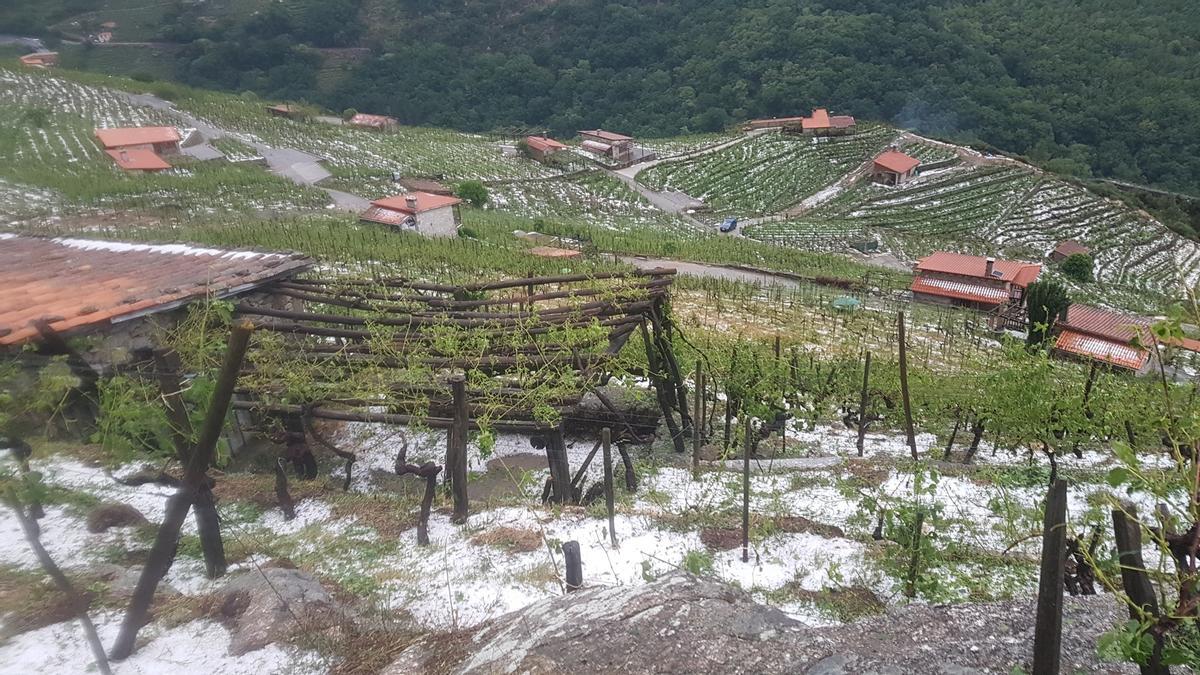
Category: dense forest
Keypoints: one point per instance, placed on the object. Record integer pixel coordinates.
(1104, 87)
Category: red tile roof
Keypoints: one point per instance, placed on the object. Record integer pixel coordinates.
(606, 135)
(77, 284)
(960, 290)
(543, 144)
(841, 121)
(138, 159)
(1189, 344)
(1097, 348)
(125, 136)
(40, 59)
(1069, 248)
(554, 252)
(896, 162)
(415, 202)
(1107, 324)
(1019, 273)
(365, 120)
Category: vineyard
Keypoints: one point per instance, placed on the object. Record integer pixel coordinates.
(768, 172)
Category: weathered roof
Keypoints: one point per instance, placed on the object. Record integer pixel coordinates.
(543, 144)
(425, 185)
(961, 290)
(596, 147)
(119, 137)
(1100, 349)
(818, 120)
(416, 202)
(77, 284)
(776, 122)
(137, 159)
(897, 162)
(1070, 248)
(1106, 323)
(606, 135)
(554, 252)
(39, 58)
(841, 121)
(1020, 273)
(365, 120)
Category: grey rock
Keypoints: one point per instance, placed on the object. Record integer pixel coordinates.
(106, 516)
(271, 605)
(684, 624)
(122, 580)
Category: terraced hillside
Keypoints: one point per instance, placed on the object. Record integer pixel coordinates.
(768, 172)
(594, 199)
(55, 164)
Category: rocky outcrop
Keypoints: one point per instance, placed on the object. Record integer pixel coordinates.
(106, 516)
(684, 624)
(273, 604)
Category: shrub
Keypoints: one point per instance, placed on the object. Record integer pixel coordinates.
(348, 114)
(467, 233)
(1078, 267)
(473, 192)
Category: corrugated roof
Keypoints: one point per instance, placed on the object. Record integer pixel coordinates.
(897, 162)
(596, 147)
(609, 136)
(1107, 324)
(120, 137)
(138, 159)
(543, 144)
(960, 290)
(82, 283)
(366, 120)
(384, 216)
(554, 252)
(1020, 273)
(1100, 349)
(420, 202)
(841, 121)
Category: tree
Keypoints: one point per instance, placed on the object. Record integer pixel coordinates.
(473, 192)
(1046, 301)
(348, 114)
(1078, 266)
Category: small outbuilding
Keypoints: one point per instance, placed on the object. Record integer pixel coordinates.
(894, 168)
(428, 214)
(373, 122)
(40, 60)
(617, 147)
(286, 110)
(159, 140)
(1068, 248)
(1097, 334)
(542, 147)
(138, 160)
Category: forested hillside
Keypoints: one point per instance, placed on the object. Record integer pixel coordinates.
(1101, 87)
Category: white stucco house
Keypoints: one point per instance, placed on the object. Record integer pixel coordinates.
(428, 214)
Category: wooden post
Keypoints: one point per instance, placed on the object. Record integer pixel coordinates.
(908, 420)
(1127, 531)
(697, 420)
(281, 491)
(162, 552)
(456, 449)
(606, 440)
(914, 564)
(746, 496)
(864, 401)
(208, 523)
(1047, 636)
(574, 565)
(426, 505)
(560, 468)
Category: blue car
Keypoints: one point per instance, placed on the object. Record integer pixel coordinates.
(729, 225)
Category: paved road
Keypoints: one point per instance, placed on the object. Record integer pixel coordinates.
(297, 166)
(695, 269)
(30, 42)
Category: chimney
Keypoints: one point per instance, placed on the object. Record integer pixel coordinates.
(991, 265)
(411, 200)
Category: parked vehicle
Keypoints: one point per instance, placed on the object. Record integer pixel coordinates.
(729, 225)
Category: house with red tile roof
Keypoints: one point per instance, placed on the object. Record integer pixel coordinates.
(372, 122)
(972, 281)
(112, 289)
(160, 140)
(1066, 249)
(821, 123)
(893, 167)
(40, 60)
(421, 212)
(1098, 334)
(541, 147)
(138, 160)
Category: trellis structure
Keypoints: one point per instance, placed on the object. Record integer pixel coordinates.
(526, 350)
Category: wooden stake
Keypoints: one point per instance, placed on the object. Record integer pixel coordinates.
(697, 419)
(746, 496)
(574, 565)
(863, 402)
(605, 441)
(1127, 532)
(914, 565)
(908, 420)
(456, 449)
(162, 552)
(1047, 636)
(281, 491)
